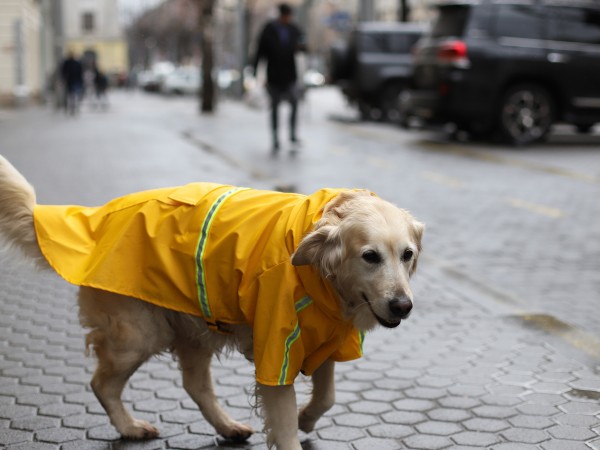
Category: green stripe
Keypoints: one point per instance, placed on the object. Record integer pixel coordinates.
(202, 241)
(361, 337)
(301, 304)
(294, 335)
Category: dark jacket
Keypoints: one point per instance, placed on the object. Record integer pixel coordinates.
(72, 72)
(279, 55)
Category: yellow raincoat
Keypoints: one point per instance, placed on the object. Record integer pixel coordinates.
(214, 251)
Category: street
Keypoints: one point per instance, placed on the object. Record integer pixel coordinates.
(502, 349)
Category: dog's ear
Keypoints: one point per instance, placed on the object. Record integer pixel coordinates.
(320, 248)
(417, 228)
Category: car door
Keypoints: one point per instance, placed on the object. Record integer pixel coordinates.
(573, 49)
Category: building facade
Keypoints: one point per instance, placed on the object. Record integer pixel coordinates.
(92, 29)
(20, 50)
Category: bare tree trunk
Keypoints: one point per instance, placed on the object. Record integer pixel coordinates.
(404, 11)
(207, 96)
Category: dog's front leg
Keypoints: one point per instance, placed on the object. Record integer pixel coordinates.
(279, 411)
(322, 399)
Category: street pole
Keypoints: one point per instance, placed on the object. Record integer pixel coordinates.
(240, 40)
(366, 11)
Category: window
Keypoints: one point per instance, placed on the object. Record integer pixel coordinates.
(87, 22)
(451, 21)
(387, 42)
(518, 21)
(574, 25)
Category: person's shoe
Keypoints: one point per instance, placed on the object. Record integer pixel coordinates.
(295, 141)
(275, 148)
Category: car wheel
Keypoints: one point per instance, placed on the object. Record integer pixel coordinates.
(389, 101)
(584, 128)
(526, 114)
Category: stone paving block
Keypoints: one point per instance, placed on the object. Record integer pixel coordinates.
(558, 444)
(476, 439)
(580, 408)
(391, 431)
(339, 433)
(355, 420)
(438, 428)
(577, 420)
(489, 425)
(33, 446)
(404, 417)
(16, 411)
(34, 423)
(513, 446)
(379, 444)
(85, 421)
(494, 412)
(414, 405)
(427, 442)
(10, 437)
(572, 433)
(537, 410)
(526, 421)
(525, 435)
(59, 435)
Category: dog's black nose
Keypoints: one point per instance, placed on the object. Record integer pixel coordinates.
(400, 307)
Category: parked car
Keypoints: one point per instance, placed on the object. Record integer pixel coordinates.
(509, 67)
(185, 80)
(374, 66)
(153, 79)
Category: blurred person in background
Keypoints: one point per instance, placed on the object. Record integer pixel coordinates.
(72, 76)
(278, 43)
(101, 86)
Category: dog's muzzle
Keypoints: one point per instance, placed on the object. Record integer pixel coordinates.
(399, 308)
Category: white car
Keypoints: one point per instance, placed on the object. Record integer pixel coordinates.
(183, 80)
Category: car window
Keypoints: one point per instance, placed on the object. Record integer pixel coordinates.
(387, 42)
(372, 43)
(451, 21)
(402, 43)
(574, 25)
(520, 21)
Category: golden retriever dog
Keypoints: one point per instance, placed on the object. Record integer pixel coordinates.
(291, 281)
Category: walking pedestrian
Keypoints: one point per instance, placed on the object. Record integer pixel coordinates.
(278, 44)
(72, 75)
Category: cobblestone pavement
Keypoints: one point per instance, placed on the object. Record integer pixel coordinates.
(466, 371)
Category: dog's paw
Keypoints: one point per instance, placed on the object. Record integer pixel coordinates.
(140, 429)
(237, 432)
(306, 423)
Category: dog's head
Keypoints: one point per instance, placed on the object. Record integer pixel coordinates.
(368, 249)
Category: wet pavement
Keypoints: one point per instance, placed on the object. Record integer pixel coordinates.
(502, 350)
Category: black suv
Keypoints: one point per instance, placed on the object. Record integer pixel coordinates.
(513, 67)
(374, 66)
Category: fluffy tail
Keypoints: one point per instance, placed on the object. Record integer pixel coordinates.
(17, 199)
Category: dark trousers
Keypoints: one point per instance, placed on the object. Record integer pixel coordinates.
(278, 94)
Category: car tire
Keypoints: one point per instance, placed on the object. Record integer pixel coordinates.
(389, 101)
(526, 114)
(584, 128)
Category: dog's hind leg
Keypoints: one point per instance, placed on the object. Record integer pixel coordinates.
(125, 332)
(197, 381)
(115, 367)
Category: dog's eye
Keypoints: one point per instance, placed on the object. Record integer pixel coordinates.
(407, 255)
(372, 257)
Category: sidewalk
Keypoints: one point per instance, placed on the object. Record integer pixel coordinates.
(461, 373)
